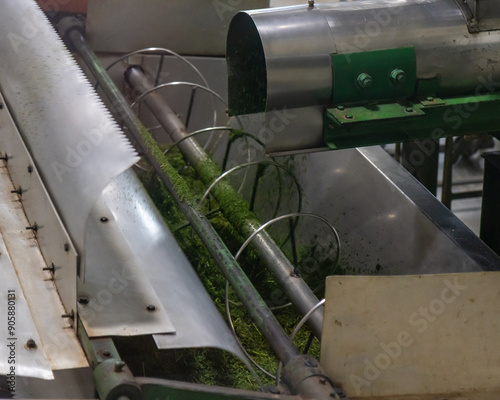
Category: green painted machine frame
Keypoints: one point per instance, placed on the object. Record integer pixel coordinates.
(378, 99)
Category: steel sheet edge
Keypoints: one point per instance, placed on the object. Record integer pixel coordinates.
(281, 57)
(77, 146)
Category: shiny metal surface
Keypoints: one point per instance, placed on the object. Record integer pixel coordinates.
(196, 27)
(388, 223)
(56, 341)
(66, 127)
(52, 237)
(291, 47)
(145, 265)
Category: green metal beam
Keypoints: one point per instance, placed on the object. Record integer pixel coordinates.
(374, 124)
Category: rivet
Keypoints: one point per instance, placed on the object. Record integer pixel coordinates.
(83, 300)
(31, 344)
(66, 247)
(340, 108)
(409, 110)
(349, 116)
(151, 307)
(30, 169)
(104, 219)
(106, 353)
(430, 98)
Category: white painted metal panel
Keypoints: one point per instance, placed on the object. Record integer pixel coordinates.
(56, 340)
(413, 335)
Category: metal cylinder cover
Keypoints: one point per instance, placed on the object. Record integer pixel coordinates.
(281, 57)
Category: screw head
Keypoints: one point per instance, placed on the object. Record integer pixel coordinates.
(151, 307)
(106, 353)
(119, 365)
(83, 300)
(30, 169)
(66, 247)
(365, 81)
(340, 108)
(348, 116)
(104, 219)
(31, 344)
(398, 76)
(430, 98)
(409, 110)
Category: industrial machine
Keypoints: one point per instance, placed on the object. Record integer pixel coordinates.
(143, 214)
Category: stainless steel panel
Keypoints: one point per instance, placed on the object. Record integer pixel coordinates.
(196, 27)
(55, 243)
(56, 338)
(117, 289)
(69, 132)
(388, 223)
(137, 262)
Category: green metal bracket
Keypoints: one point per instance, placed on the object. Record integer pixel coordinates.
(367, 125)
(112, 378)
(374, 75)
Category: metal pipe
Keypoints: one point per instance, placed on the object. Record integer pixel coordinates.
(281, 57)
(246, 222)
(259, 311)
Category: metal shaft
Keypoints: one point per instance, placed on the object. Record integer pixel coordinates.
(259, 311)
(246, 222)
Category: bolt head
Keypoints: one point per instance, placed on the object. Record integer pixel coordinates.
(119, 365)
(398, 76)
(365, 81)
